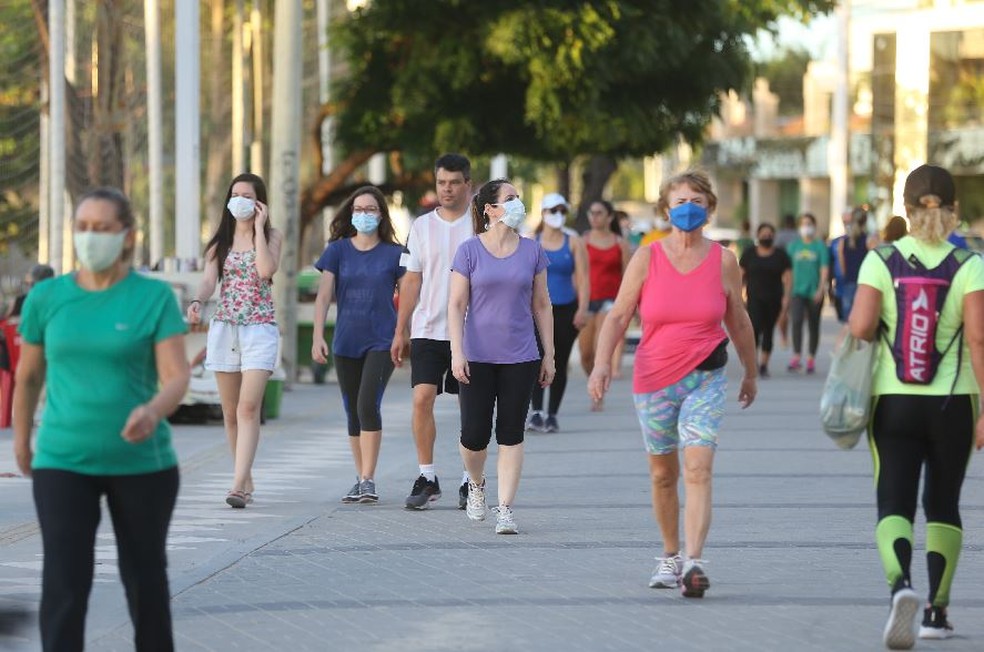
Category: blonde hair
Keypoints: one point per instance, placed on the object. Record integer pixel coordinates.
(931, 222)
(696, 179)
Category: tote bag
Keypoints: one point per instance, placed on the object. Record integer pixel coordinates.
(845, 407)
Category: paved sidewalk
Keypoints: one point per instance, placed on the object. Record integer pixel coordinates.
(791, 555)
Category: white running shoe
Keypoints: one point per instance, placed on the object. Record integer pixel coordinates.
(667, 573)
(504, 523)
(900, 630)
(476, 501)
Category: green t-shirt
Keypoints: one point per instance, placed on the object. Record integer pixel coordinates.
(970, 278)
(99, 352)
(808, 259)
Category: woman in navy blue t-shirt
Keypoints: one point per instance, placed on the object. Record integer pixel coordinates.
(361, 266)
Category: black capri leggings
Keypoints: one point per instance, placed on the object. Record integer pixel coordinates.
(502, 388)
(764, 314)
(909, 431)
(564, 337)
(363, 381)
(800, 308)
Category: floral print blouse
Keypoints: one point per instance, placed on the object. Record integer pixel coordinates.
(244, 298)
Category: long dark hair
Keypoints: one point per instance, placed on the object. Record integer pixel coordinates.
(341, 224)
(487, 194)
(226, 231)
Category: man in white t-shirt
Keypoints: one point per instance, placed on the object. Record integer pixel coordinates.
(424, 291)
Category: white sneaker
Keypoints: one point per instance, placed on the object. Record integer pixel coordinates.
(504, 523)
(900, 630)
(667, 573)
(476, 501)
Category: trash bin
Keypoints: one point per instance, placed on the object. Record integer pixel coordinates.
(273, 395)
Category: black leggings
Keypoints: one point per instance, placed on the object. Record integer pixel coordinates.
(68, 510)
(764, 314)
(565, 334)
(502, 388)
(800, 308)
(363, 381)
(909, 432)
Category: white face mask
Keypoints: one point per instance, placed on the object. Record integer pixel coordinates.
(807, 231)
(98, 252)
(242, 208)
(515, 213)
(554, 220)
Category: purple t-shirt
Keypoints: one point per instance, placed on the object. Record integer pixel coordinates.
(499, 318)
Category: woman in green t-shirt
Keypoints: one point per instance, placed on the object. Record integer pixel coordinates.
(811, 262)
(926, 386)
(109, 343)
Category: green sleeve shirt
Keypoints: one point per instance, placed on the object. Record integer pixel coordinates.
(101, 363)
(808, 259)
(970, 278)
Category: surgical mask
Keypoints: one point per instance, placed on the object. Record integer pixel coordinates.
(554, 220)
(242, 208)
(766, 242)
(807, 231)
(688, 217)
(365, 222)
(98, 251)
(514, 213)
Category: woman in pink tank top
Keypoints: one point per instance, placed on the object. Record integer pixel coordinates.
(688, 292)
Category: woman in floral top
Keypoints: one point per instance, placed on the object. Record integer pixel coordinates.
(244, 254)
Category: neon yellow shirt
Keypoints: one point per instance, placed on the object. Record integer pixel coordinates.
(970, 278)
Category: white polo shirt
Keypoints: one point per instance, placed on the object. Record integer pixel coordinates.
(432, 244)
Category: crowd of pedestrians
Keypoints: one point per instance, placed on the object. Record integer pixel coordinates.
(492, 317)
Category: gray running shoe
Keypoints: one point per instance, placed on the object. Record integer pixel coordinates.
(535, 423)
(354, 494)
(504, 522)
(423, 493)
(367, 492)
(551, 425)
(667, 573)
(476, 501)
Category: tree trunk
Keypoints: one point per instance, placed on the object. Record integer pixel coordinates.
(106, 157)
(593, 181)
(323, 191)
(219, 140)
(563, 173)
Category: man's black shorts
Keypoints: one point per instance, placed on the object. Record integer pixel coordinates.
(430, 364)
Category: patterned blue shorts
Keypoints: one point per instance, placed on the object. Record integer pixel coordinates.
(687, 413)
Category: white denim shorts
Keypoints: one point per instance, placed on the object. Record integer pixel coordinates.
(234, 347)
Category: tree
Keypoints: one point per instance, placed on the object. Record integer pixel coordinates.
(785, 74)
(549, 80)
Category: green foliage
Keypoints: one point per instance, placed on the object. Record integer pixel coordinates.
(547, 80)
(785, 74)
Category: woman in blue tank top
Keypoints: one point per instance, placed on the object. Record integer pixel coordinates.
(567, 282)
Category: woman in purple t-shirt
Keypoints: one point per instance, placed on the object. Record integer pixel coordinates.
(498, 289)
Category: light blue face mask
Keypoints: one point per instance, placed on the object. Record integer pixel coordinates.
(515, 213)
(688, 217)
(365, 222)
(98, 251)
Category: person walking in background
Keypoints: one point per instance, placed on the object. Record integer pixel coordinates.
(498, 292)
(850, 251)
(567, 283)
(685, 286)
(896, 229)
(424, 292)
(360, 267)
(787, 232)
(926, 395)
(243, 339)
(766, 276)
(836, 276)
(811, 262)
(608, 254)
(109, 344)
(38, 272)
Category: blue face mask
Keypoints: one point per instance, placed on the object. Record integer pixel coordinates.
(688, 217)
(365, 222)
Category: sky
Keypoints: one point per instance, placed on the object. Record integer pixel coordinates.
(817, 37)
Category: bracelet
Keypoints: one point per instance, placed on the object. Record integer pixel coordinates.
(194, 301)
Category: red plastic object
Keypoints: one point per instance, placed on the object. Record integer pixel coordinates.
(13, 340)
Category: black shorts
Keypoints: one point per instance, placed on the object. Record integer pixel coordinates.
(430, 364)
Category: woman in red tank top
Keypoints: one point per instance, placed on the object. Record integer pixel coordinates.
(686, 287)
(608, 254)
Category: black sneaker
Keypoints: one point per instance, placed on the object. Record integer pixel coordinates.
(935, 625)
(354, 494)
(463, 495)
(367, 492)
(551, 425)
(763, 371)
(424, 492)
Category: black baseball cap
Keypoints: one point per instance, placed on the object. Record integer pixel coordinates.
(929, 180)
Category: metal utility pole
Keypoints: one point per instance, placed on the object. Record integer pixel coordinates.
(56, 134)
(256, 48)
(187, 131)
(238, 93)
(155, 130)
(284, 169)
(837, 155)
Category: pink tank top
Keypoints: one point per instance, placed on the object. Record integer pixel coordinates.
(681, 319)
